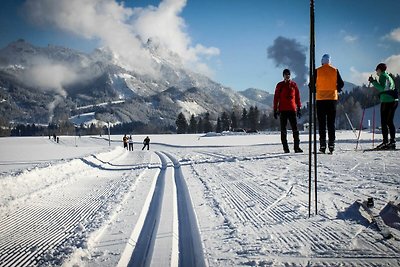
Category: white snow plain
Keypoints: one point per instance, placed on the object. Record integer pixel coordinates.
(194, 200)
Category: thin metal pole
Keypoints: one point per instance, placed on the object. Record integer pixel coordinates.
(312, 66)
(373, 128)
(310, 104)
(359, 129)
(109, 140)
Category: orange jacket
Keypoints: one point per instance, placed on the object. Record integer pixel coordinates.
(328, 83)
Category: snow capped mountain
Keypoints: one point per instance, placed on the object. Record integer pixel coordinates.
(86, 79)
(258, 96)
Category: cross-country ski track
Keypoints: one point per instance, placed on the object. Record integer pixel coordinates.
(198, 206)
(157, 240)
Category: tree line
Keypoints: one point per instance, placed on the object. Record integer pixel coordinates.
(245, 121)
(350, 107)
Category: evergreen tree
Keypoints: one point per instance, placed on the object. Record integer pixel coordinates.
(207, 123)
(192, 124)
(200, 126)
(225, 122)
(264, 122)
(219, 126)
(244, 119)
(253, 118)
(181, 124)
(234, 122)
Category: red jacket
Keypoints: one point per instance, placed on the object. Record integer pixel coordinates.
(287, 96)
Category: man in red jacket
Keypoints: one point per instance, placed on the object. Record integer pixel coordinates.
(287, 105)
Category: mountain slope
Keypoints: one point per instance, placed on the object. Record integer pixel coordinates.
(63, 79)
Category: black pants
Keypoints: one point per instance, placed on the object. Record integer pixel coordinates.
(130, 147)
(387, 114)
(290, 116)
(148, 145)
(326, 113)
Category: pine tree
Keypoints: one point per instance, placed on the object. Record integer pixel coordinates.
(181, 124)
(200, 126)
(225, 122)
(219, 126)
(243, 119)
(234, 123)
(253, 118)
(192, 125)
(264, 122)
(207, 124)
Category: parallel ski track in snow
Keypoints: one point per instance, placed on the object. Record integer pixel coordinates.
(270, 211)
(152, 239)
(56, 218)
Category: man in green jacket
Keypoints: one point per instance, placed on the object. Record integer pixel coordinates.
(389, 102)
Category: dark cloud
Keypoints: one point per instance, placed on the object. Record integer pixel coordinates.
(288, 53)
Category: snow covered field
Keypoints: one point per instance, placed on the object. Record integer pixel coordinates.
(193, 200)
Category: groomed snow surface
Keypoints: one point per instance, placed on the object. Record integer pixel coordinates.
(194, 200)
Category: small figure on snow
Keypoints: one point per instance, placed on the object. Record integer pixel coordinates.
(130, 143)
(389, 102)
(287, 105)
(328, 85)
(146, 142)
(125, 141)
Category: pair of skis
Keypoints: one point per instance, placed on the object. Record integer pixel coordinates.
(378, 149)
(375, 218)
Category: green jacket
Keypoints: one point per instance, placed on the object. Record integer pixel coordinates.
(384, 83)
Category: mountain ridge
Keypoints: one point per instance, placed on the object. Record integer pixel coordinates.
(87, 79)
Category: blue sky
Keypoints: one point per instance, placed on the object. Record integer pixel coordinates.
(226, 39)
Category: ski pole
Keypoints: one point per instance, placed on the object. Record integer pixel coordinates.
(373, 127)
(351, 125)
(359, 132)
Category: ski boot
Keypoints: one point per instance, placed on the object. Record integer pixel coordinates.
(382, 146)
(322, 149)
(331, 149)
(391, 145)
(285, 146)
(298, 150)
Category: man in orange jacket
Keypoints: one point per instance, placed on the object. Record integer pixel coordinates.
(287, 104)
(328, 84)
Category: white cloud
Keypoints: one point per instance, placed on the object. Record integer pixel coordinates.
(123, 29)
(350, 38)
(395, 35)
(359, 78)
(50, 76)
(164, 24)
(393, 64)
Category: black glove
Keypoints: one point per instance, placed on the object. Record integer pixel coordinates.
(298, 113)
(276, 114)
(370, 79)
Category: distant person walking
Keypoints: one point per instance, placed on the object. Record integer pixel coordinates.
(130, 143)
(146, 142)
(389, 102)
(125, 141)
(328, 84)
(287, 105)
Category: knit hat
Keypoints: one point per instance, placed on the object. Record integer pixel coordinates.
(286, 71)
(326, 59)
(381, 66)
